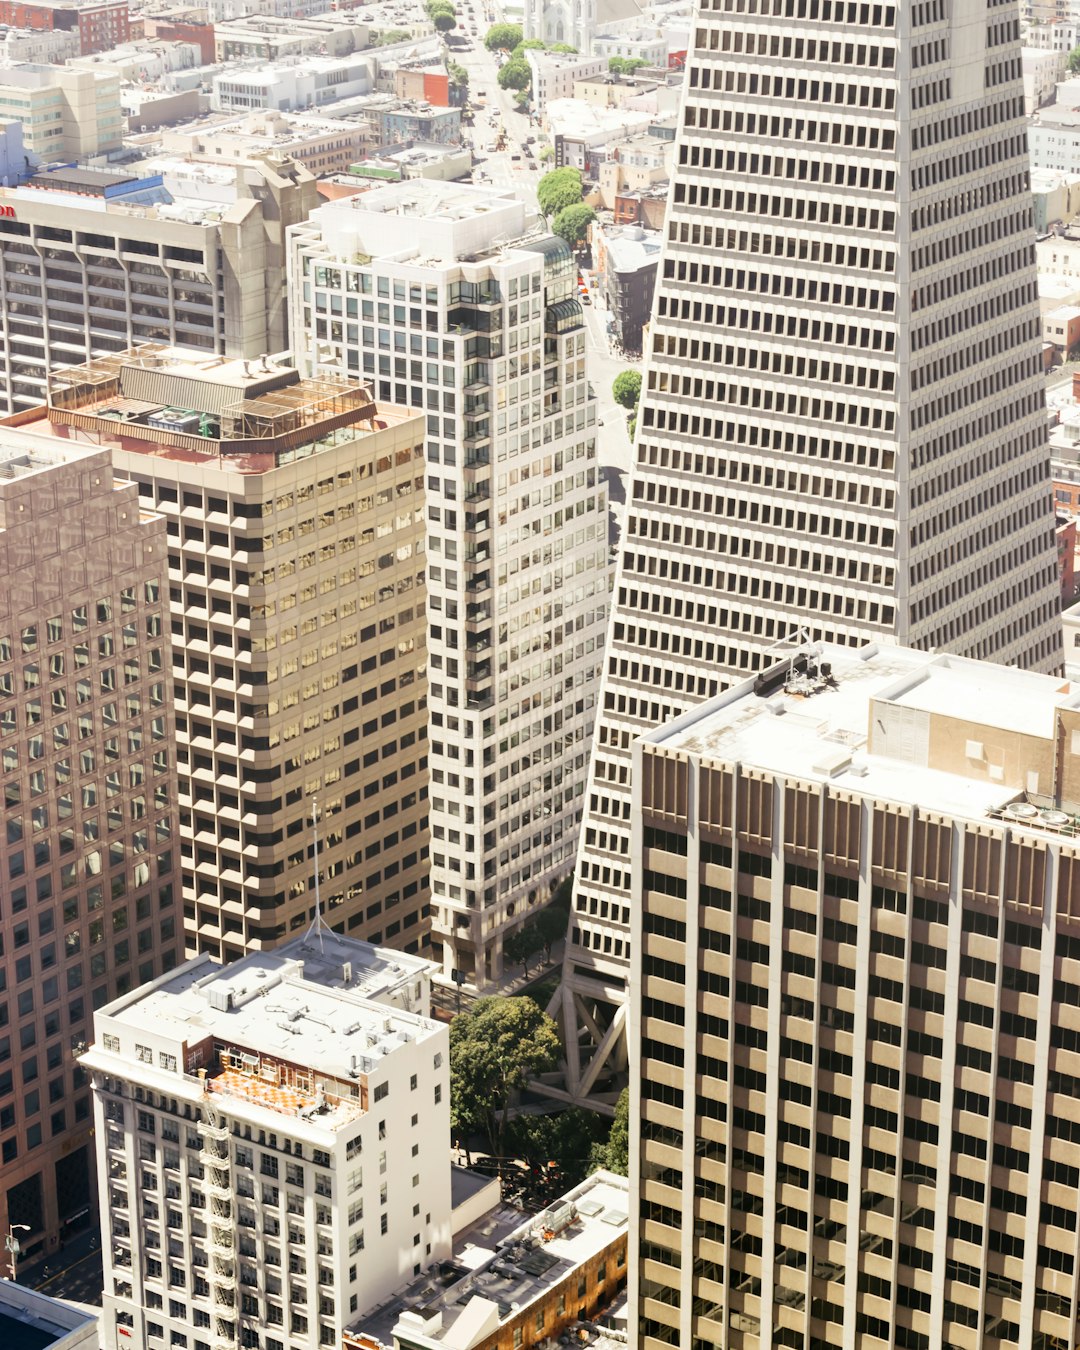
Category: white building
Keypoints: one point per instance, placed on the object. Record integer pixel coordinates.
(293, 84)
(1060, 36)
(444, 299)
(272, 1145)
(1054, 139)
(554, 73)
(1042, 70)
(577, 127)
(644, 44)
(219, 10)
(45, 46)
(569, 21)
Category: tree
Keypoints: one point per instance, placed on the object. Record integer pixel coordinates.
(572, 224)
(615, 1153)
(1074, 61)
(552, 920)
(546, 153)
(496, 1046)
(529, 45)
(503, 37)
(625, 65)
(626, 389)
(444, 22)
(563, 47)
(393, 35)
(459, 76)
(520, 946)
(561, 1146)
(515, 75)
(558, 189)
(631, 427)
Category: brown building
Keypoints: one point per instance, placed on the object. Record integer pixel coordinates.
(296, 533)
(856, 933)
(517, 1286)
(90, 853)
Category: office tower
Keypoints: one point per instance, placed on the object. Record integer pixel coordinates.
(89, 847)
(441, 296)
(857, 936)
(97, 261)
(842, 428)
(272, 1145)
(294, 512)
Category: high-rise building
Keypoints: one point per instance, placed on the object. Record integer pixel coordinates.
(856, 938)
(443, 298)
(89, 846)
(197, 260)
(272, 1145)
(842, 425)
(295, 523)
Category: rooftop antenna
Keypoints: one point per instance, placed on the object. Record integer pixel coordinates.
(317, 926)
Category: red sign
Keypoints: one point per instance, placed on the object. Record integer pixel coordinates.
(7, 211)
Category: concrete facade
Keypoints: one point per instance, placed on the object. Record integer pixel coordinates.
(295, 518)
(856, 938)
(440, 296)
(813, 399)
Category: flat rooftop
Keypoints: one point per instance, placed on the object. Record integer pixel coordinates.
(504, 1264)
(820, 728)
(31, 1320)
(309, 1003)
(432, 200)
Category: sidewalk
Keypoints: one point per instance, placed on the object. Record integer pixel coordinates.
(73, 1271)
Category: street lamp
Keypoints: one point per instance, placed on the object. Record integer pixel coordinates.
(11, 1244)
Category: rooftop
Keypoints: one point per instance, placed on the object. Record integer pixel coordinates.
(503, 1266)
(30, 1320)
(940, 732)
(304, 1024)
(177, 403)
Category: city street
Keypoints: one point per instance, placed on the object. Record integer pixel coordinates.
(500, 170)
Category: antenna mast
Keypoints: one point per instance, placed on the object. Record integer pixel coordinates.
(318, 926)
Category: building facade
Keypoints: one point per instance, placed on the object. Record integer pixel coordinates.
(260, 1188)
(437, 294)
(295, 528)
(90, 850)
(65, 113)
(856, 937)
(83, 274)
(842, 426)
(569, 21)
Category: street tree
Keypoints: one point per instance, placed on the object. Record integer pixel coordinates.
(503, 37)
(1074, 61)
(515, 75)
(614, 1153)
(558, 189)
(560, 1146)
(444, 22)
(626, 389)
(572, 224)
(496, 1046)
(520, 946)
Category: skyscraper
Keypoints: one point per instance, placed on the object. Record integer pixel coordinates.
(90, 849)
(295, 535)
(842, 424)
(446, 298)
(856, 938)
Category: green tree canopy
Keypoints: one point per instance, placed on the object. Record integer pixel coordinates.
(503, 37)
(393, 35)
(496, 1046)
(572, 223)
(625, 65)
(443, 22)
(515, 75)
(626, 389)
(615, 1153)
(459, 76)
(1074, 61)
(520, 946)
(562, 47)
(529, 45)
(564, 1143)
(558, 189)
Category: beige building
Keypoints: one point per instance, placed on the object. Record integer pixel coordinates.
(89, 846)
(296, 567)
(611, 91)
(270, 37)
(82, 273)
(856, 939)
(66, 113)
(321, 144)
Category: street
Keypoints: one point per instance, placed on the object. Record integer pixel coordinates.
(498, 168)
